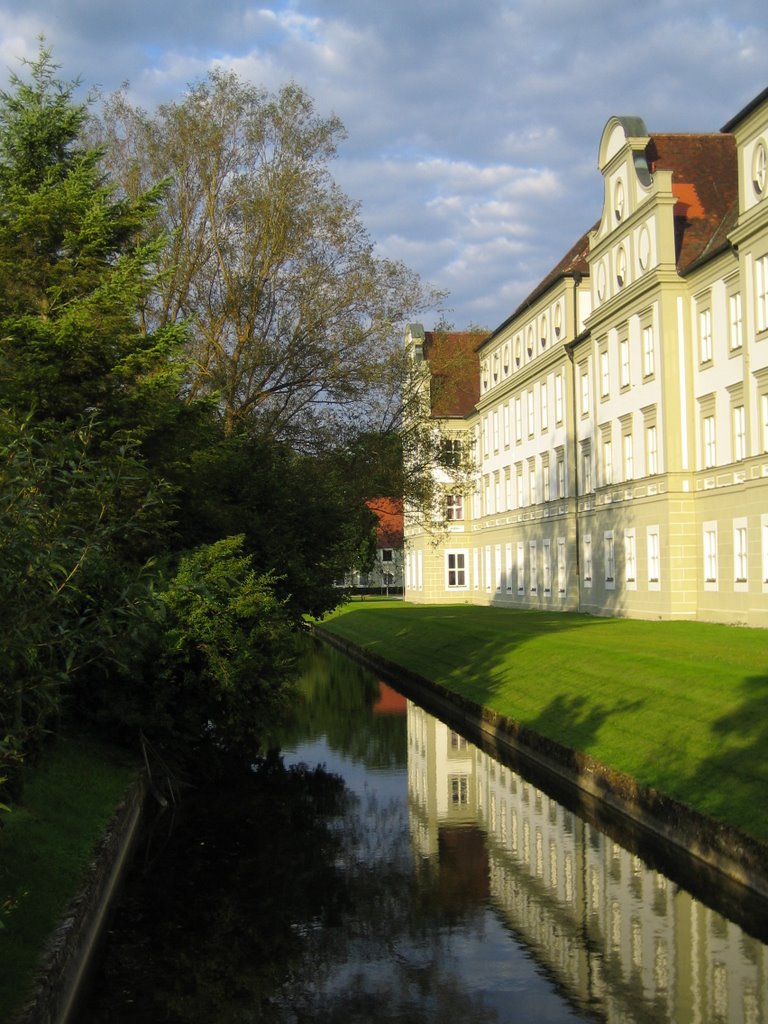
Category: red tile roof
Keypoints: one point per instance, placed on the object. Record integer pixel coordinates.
(454, 370)
(389, 511)
(705, 184)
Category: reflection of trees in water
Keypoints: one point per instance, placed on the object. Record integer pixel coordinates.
(335, 698)
(282, 898)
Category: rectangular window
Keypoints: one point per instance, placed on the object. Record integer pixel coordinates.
(710, 553)
(764, 420)
(506, 425)
(629, 458)
(534, 567)
(605, 375)
(387, 555)
(497, 492)
(508, 560)
(740, 551)
(544, 406)
(487, 567)
(531, 418)
(486, 449)
(508, 486)
(736, 329)
(652, 451)
(520, 499)
(761, 292)
(560, 476)
(654, 566)
(559, 398)
(500, 581)
(454, 507)
(546, 554)
(649, 354)
(495, 431)
(584, 392)
(739, 434)
(587, 561)
(561, 564)
(764, 523)
(545, 476)
(532, 496)
(624, 362)
(705, 335)
(610, 560)
(518, 420)
(607, 463)
(586, 470)
(456, 569)
(630, 557)
(520, 567)
(710, 455)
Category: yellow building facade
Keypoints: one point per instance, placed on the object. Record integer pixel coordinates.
(620, 427)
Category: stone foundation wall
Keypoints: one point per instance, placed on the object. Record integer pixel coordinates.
(70, 949)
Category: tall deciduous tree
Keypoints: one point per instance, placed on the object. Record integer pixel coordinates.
(294, 320)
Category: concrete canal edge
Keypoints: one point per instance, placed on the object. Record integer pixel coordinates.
(70, 950)
(733, 855)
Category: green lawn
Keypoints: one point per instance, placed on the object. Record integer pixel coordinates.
(45, 848)
(680, 706)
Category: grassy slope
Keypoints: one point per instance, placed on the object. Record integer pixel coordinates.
(681, 706)
(45, 848)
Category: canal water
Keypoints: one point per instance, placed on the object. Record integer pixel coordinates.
(383, 868)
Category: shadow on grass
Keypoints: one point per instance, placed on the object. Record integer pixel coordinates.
(740, 755)
(576, 721)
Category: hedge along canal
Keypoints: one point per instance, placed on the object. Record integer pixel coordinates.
(413, 877)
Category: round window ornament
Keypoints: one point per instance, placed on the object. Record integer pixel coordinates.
(760, 167)
(618, 200)
(558, 319)
(601, 281)
(644, 248)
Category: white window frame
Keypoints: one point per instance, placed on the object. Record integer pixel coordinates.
(740, 555)
(653, 548)
(739, 420)
(705, 335)
(605, 374)
(629, 457)
(533, 568)
(652, 450)
(456, 569)
(609, 556)
(562, 574)
(558, 398)
(710, 441)
(520, 568)
(454, 508)
(709, 548)
(630, 559)
(544, 406)
(587, 573)
(649, 351)
(761, 292)
(607, 463)
(736, 322)
(531, 414)
(624, 372)
(546, 554)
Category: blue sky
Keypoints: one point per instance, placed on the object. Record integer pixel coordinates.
(472, 127)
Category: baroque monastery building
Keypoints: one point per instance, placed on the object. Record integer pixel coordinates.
(618, 419)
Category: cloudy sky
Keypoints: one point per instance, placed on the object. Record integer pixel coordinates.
(473, 125)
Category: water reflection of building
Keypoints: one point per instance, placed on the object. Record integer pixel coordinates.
(614, 933)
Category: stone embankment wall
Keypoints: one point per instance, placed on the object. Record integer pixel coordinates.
(70, 950)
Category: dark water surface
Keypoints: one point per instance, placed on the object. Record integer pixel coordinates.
(384, 869)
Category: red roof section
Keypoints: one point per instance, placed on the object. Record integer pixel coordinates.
(705, 184)
(389, 531)
(454, 370)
